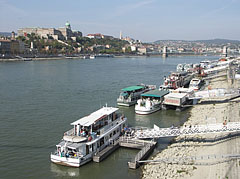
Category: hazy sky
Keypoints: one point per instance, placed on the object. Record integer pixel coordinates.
(146, 20)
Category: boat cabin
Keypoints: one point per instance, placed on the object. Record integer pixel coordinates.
(155, 94)
(131, 89)
(96, 123)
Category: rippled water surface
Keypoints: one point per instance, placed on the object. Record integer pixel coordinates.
(39, 100)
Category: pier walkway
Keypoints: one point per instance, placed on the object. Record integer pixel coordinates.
(156, 132)
(142, 154)
(197, 160)
(146, 147)
(214, 76)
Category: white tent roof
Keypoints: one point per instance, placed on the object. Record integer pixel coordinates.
(95, 116)
(176, 95)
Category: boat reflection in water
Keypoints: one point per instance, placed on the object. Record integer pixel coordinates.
(61, 171)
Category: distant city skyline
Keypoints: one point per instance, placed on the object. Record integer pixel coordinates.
(146, 20)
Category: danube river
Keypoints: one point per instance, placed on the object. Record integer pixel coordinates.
(39, 100)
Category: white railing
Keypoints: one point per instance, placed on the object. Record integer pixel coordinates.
(110, 125)
(143, 151)
(193, 159)
(188, 130)
(70, 132)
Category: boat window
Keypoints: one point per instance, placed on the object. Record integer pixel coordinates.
(114, 132)
(87, 149)
(110, 135)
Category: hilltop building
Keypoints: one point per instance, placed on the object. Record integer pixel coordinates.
(99, 36)
(62, 33)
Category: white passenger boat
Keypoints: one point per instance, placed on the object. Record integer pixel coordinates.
(177, 79)
(150, 102)
(131, 94)
(89, 135)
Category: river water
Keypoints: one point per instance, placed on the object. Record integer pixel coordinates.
(39, 100)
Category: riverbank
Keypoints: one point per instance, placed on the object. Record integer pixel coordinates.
(210, 168)
(33, 58)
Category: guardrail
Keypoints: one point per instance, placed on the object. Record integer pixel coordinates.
(198, 129)
(70, 132)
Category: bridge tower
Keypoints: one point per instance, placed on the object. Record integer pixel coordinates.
(165, 52)
(224, 53)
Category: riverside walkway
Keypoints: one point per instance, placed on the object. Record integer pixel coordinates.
(156, 132)
(197, 160)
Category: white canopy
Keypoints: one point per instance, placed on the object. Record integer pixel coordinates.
(95, 116)
(74, 138)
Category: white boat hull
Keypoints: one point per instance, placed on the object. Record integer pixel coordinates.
(145, 111)
(126, 103)
(72, 162)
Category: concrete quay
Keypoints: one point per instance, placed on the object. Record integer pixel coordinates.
(203, 145)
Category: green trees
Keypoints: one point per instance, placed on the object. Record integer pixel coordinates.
(87, 45)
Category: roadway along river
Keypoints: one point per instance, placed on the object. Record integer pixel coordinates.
(39, 100)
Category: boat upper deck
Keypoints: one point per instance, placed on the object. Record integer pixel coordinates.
(133, 88)
(95, 116)
(156, 93)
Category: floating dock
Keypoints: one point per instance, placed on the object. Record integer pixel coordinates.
(142, 154)
(145, 146)
(105, 152)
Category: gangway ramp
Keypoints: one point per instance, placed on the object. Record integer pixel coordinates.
(157, 132)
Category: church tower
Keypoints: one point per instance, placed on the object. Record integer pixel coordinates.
(120, 37)
(67, 25)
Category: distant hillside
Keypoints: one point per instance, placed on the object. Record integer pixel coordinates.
(161, 41)
(219, 41)
(5, 34)
(212, 41)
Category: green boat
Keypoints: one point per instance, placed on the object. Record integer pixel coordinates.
(131, 94)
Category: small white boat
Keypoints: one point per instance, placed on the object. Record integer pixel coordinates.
(150, 102)
(27, 59)
(92, 57)
(180, 67)
(89, 135)
(195, 84)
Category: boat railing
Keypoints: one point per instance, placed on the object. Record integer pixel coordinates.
(124, 100)
(63, 154)
(70, 132)
(110, 125)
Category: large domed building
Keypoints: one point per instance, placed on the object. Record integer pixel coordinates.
(62, 33)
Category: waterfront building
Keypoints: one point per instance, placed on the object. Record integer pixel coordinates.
(5, 46)
(62, 33)
(142, 50)
(11, 46)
